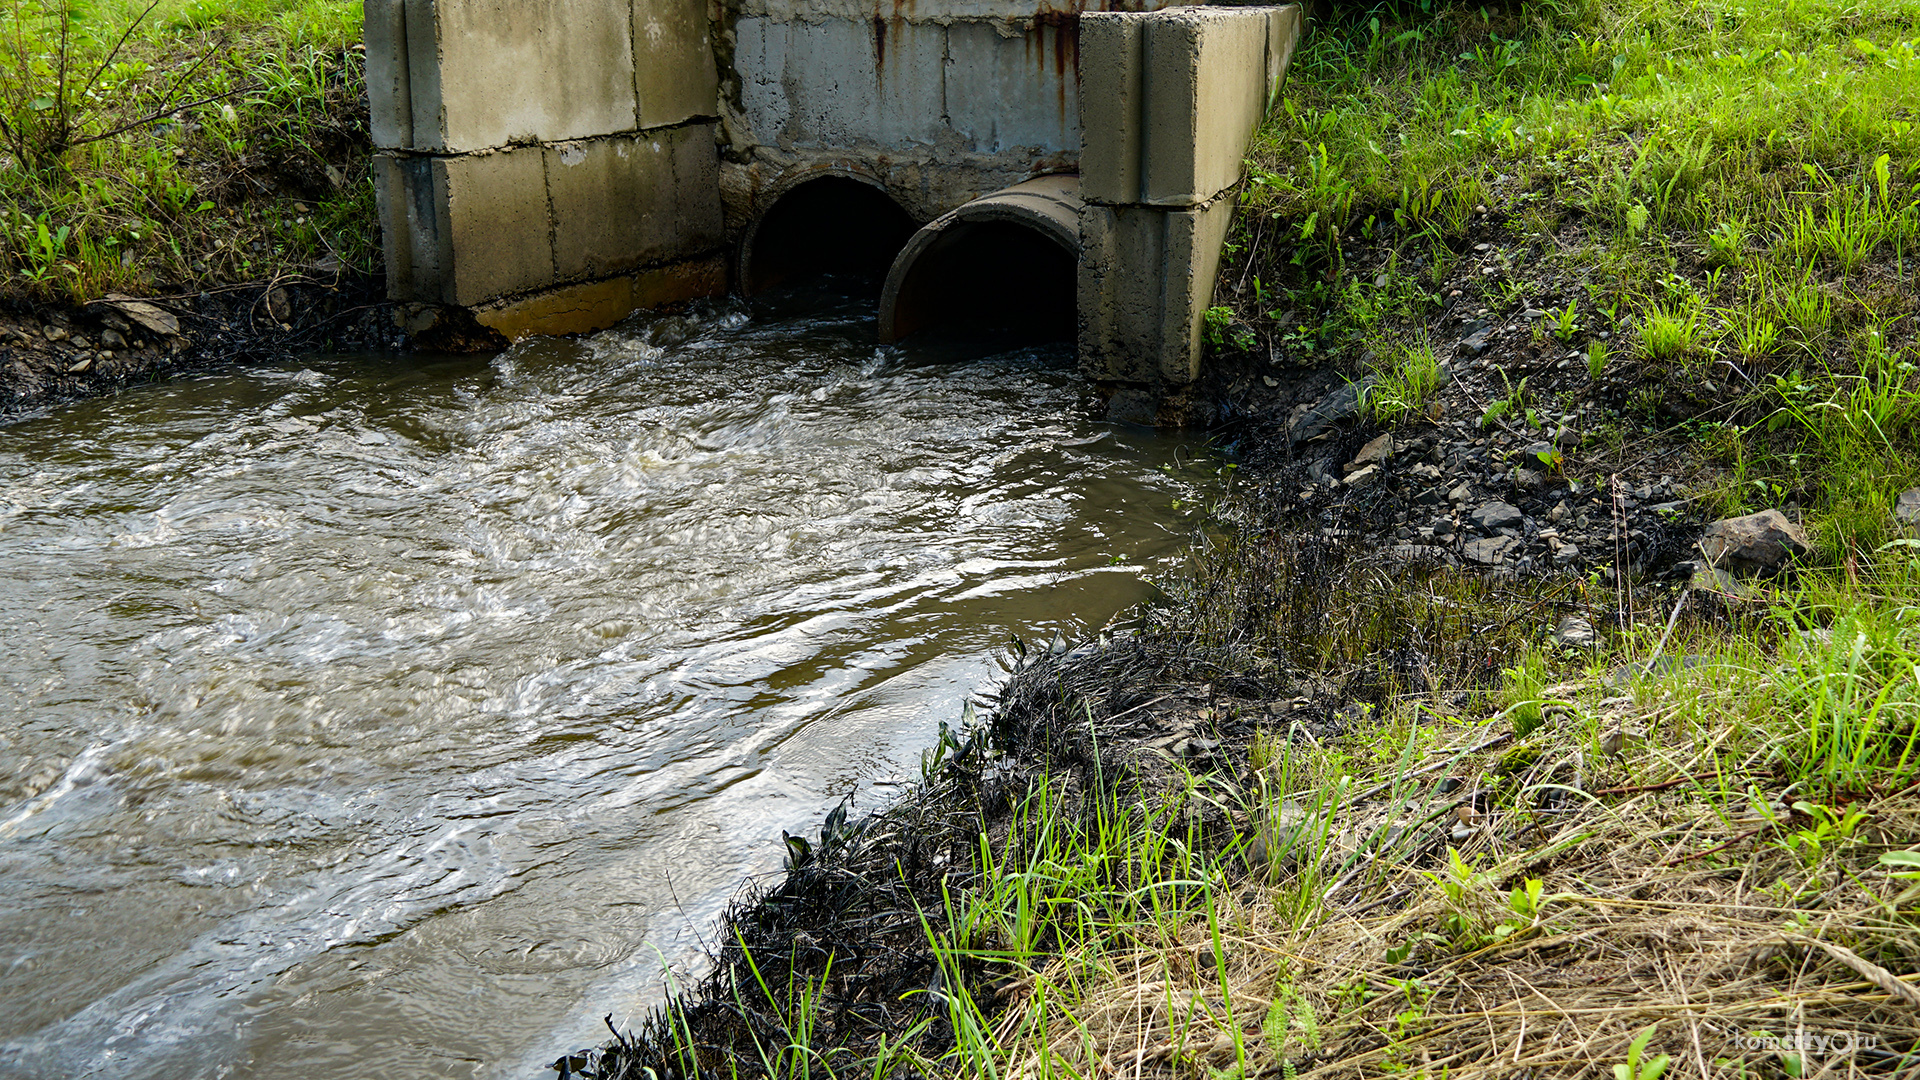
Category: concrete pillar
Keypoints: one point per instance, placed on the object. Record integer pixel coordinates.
(1168, 100)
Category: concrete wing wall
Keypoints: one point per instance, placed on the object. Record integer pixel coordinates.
(528, 144)
(1168, 102)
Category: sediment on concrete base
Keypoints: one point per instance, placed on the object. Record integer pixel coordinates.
(596, 305)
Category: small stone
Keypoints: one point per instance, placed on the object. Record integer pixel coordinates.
(113, 339)
(1270, 381)
(1759, 543)
(1558, 513)
(1377, 450)
(1494, 516)
(1477, 341)
(1442, 527)
(1533, 313)
(55, 333)
(85, 363)
(1460, 494)
(1575, 632)
(1363, 477)
(1906, 508)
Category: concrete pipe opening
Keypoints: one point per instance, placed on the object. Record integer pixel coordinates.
(1005, 263)
(828, 225)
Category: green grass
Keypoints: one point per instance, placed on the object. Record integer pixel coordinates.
(190, 145)
(1738, 189)
(1403, 386)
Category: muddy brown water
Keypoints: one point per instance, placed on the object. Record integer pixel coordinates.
(396, 716)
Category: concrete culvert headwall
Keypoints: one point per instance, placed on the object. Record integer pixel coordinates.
(1003, 262)
(826, 225)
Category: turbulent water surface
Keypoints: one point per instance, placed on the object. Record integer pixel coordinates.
(391, 716)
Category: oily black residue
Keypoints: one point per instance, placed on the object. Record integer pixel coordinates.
(851, 921)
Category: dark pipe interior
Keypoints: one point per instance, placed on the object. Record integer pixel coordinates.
(832, 225)
(991, 278)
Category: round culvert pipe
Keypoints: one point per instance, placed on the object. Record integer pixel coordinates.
(1005, 259)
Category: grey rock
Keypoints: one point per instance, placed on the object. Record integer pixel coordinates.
(1442, 527)
(1377, 450)
(155, 319)
(1906, 508)
(1491, 550)
(1761, 543)
(1575, 632)
(1477, 341)
(85, 363)
(1363, 477)
(55, 333)
(113, 339)
(1318, 419)
(1493, 516)
(1460, 494)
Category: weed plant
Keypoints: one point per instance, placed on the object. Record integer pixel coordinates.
(180, 144)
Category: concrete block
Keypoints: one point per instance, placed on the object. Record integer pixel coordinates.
(488, 73)
(1111, 109)
(1206, 91)
(389, 97)
(1013, 93)
(1283, 33)
(410, 223)
(626, 201)
(1169, 98)
(1146, 280)
(494, 226)
(841, 83)
(674, 79)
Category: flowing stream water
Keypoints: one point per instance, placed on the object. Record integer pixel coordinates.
(401, 716)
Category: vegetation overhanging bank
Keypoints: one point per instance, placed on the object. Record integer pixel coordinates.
(1461, 749)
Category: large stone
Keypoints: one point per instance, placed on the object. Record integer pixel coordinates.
(1761, 543)
(1906, 508)
(1494, 516)
(1490, 550)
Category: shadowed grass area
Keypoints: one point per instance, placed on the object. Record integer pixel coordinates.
(183, 144)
